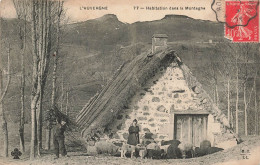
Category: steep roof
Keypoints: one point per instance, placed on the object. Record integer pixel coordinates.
(130, 78)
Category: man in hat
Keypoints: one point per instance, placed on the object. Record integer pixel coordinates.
(59, 138)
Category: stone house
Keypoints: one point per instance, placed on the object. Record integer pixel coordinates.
(163, 95)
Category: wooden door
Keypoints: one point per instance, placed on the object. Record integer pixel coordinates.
(190, 129)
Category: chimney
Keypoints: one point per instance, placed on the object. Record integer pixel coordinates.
(159, 42)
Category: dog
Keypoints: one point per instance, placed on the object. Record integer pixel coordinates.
(127, 148)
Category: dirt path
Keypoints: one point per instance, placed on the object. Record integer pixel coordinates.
(230, 156)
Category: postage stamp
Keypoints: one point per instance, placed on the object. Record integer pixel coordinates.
(242, 21)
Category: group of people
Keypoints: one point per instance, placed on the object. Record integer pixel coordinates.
(59, 137)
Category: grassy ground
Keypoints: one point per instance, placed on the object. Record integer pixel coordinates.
(229, 156)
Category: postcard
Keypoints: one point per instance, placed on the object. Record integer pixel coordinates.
(129, 82)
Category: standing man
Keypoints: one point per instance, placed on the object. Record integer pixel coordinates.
(59, 138)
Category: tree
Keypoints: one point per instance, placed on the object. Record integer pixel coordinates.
(234, 51)
(22, 15)
(248, 73)
(55, 66)
(41, 24)
(3, 92)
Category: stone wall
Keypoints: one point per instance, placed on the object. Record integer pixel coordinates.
(155, 105)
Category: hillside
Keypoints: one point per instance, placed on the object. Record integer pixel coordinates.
(104, 32)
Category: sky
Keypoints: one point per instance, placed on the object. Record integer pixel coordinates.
(127, 11)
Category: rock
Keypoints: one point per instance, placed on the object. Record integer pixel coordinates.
(142, 118)
(161, 108)
(146, 113)
(145, 108)
(146, 130)
(178, 91)
(116, 136)
(150, 120)
(154, 136)
(152, 125)
(176, 95)
(163, 120)
(155, 99)
(161, 114)
(180, 78)
(136, 107)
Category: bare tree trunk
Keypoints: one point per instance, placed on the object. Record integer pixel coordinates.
(232, 118)
(54, 78)
(35, 88)
(53, 102)
(228, 101)
(48, 139)
(67, 102)
(217, 96)
(21, 129)
(22, 11)
(214, 95)
(62, 93)
(237, 95)
(245, 107)
(2, 94)
(4, 123)
(246, 103)
(39, 124)
(256, 110)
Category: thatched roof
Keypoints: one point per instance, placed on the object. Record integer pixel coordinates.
(129, 79)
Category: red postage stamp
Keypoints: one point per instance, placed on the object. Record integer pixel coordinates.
(242, 21)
